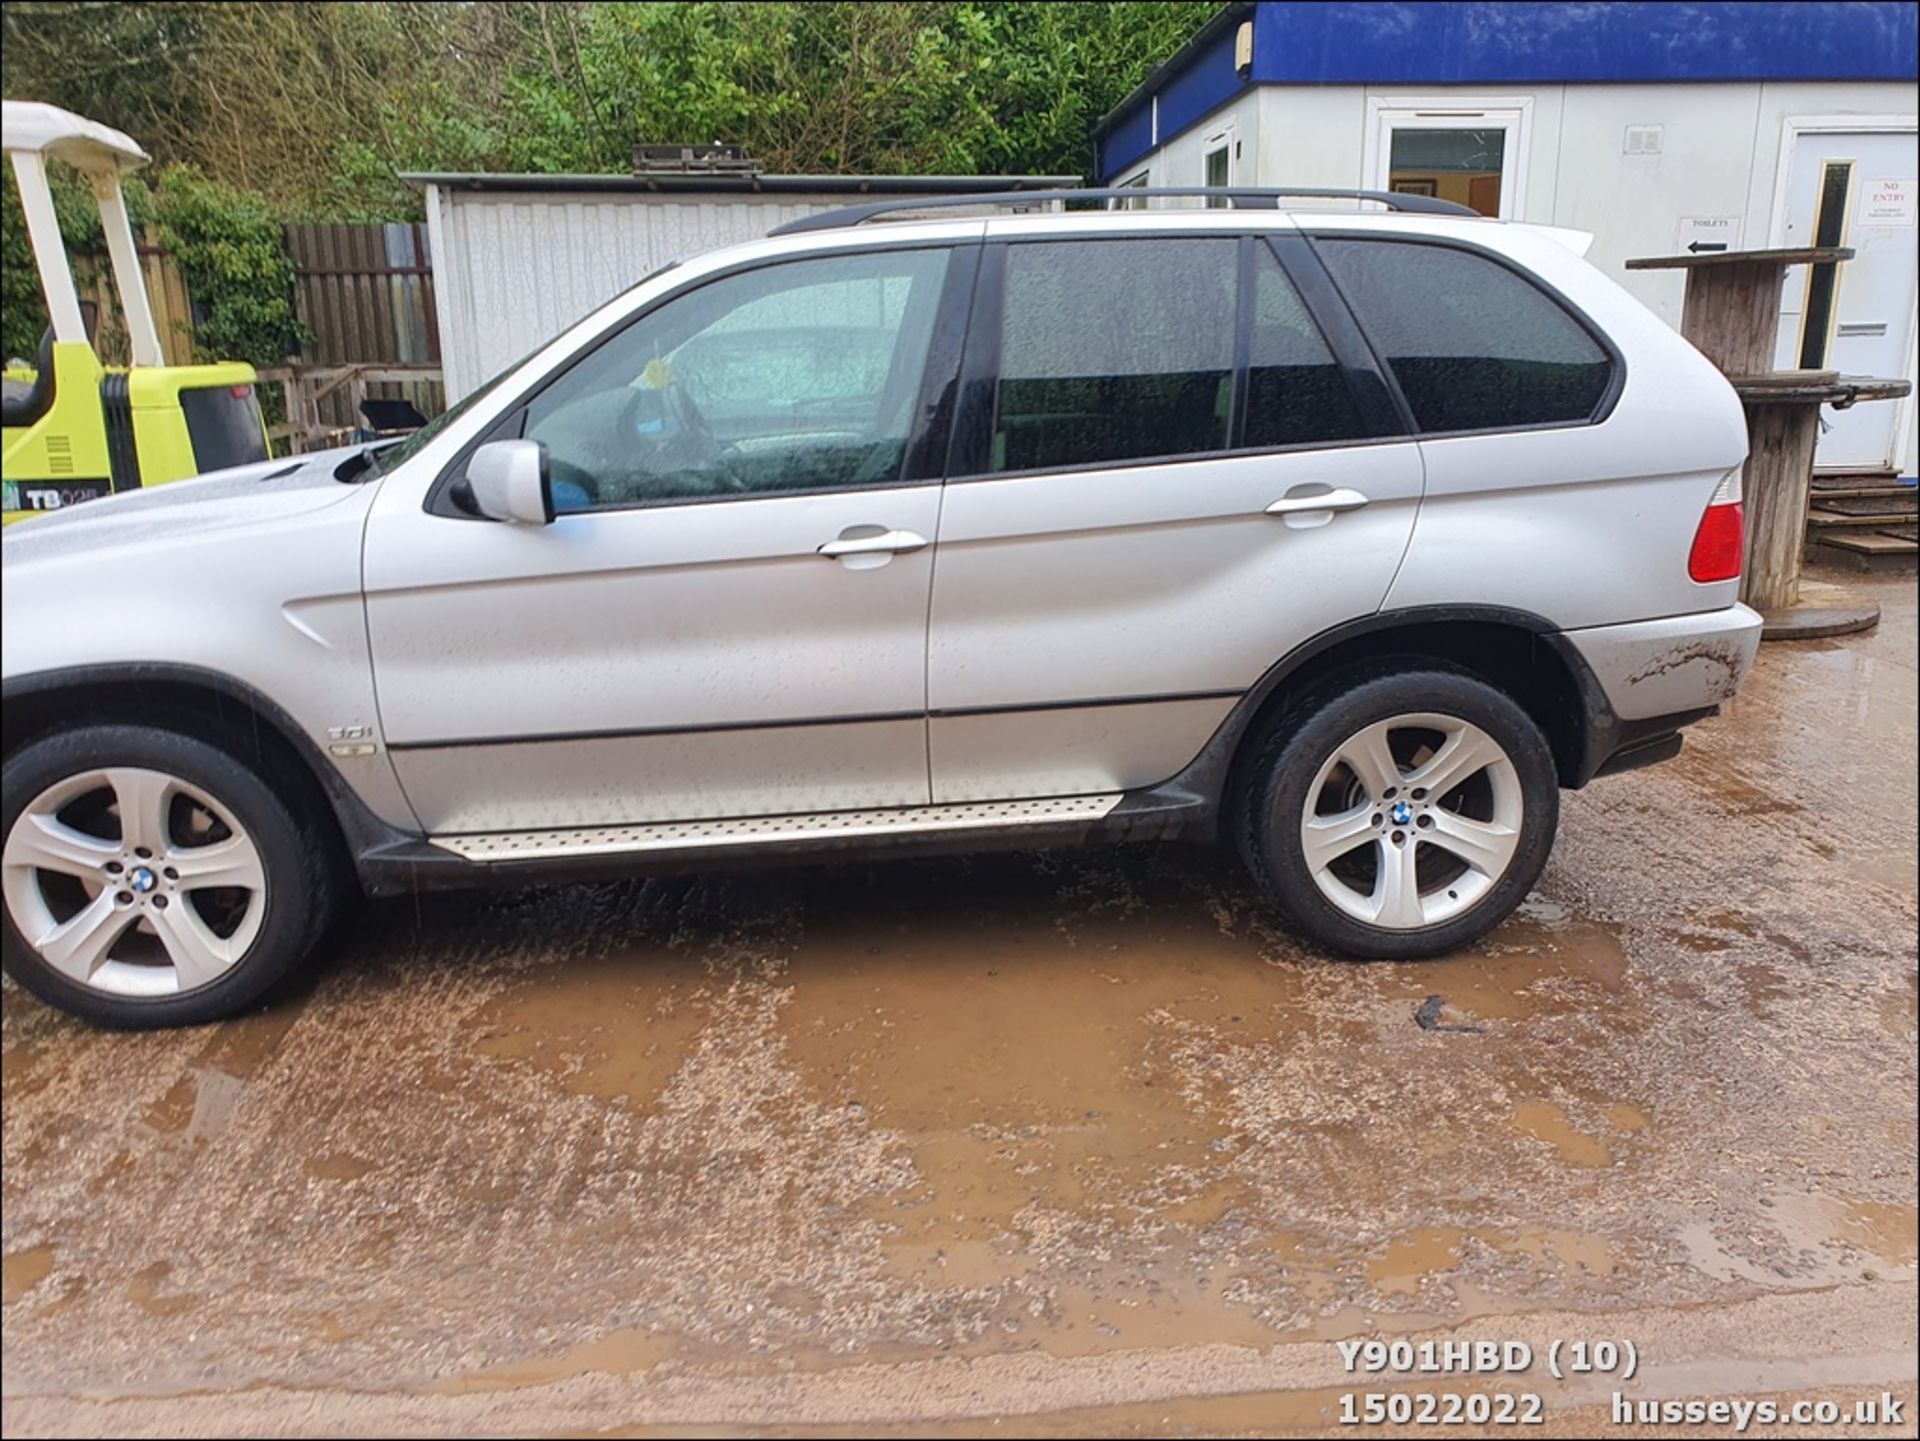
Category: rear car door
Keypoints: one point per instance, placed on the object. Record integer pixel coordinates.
(727, 616)
(1175, 461)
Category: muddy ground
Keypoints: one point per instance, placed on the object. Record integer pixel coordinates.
(1079, 1142)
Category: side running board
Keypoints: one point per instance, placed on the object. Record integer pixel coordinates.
(492, 846)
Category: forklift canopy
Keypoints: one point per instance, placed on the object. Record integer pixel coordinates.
(82, 143)
(30, 132)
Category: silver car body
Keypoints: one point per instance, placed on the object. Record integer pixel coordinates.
(1077, 635)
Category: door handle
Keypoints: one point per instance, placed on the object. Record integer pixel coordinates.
(886, 542)
(1325, 500)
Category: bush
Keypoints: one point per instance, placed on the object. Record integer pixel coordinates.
(230, 248)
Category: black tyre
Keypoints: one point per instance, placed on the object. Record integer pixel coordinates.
(1400, 811)
(151, 879)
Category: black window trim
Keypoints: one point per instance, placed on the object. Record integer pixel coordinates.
(1617, 376)
(1380, 410)
(1376, 395)
(933, 413)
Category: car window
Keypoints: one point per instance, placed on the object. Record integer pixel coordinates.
(1474, 345)
(1297, 393)
(1114, 350)
(796, 376)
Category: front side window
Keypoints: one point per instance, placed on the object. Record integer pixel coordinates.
(1114, 351)
(1474, 345)
(797, 376)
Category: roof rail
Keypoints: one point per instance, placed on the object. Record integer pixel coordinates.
(1235, 196)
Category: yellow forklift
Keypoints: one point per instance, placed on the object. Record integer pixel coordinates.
(75, 429)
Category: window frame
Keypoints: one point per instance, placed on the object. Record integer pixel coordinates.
(1223, 141)
(927, 436)
(1381, 409)
(1511, 113)
(1617, 374)
(1139, 180)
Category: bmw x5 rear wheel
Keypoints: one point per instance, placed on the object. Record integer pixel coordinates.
(1403, 814)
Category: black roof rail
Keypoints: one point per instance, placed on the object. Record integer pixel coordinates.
(1235, 196)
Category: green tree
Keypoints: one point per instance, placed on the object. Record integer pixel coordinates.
(318, 106)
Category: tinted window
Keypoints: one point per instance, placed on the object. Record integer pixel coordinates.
(801, 376)
(223, 425)
(1115, 350)
(1474, 345)
(1296, 393)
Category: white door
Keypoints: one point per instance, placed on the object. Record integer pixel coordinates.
(1111, 574)
(728, 615)
(1859, 189)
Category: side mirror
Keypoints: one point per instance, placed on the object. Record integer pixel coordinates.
(509, 481)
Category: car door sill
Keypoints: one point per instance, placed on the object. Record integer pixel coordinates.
(689, 835)
(405, 864)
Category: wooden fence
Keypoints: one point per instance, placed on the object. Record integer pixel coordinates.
(166, 292)
(365, 291)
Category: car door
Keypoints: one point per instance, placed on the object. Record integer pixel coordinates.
(1174, 463)
(727, 616)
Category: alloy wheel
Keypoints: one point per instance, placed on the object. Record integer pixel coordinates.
(1412, 820)
(133, 882)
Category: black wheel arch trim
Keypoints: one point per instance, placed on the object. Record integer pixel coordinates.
(360, 828)
(1202, 785)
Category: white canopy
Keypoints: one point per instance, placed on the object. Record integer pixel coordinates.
(27, 125)
(29, 133)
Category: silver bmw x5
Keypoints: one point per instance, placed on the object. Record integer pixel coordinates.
(1347, 537)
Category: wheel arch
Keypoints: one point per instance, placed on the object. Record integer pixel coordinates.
(206, 705)
(1518, 652)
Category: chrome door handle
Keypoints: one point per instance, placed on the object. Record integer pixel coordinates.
(887, 542)
(1334, 500)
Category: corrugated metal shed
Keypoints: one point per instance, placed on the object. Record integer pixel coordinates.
(518, 258)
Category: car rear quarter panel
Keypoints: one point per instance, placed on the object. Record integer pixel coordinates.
(1587, 524)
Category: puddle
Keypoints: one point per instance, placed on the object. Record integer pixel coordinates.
(23, 1270)
(200, 1105)
(340, 1166)
(1544, 1121)
(1024, 1074)
(618, 1353)
(1439, 1251)
(1891, 1232)
(1544, 962)
(144, 1291)
(615, 1027)
(1429, 1251)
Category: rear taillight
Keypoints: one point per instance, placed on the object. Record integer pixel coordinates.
(1721, 538)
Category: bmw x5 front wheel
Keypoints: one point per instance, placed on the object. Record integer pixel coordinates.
(150, 878)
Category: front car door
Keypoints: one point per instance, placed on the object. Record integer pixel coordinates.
(727, 617)
(1131, 538)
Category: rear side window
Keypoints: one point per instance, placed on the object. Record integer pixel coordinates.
(1115, 350)
(1296, 392)
(1474, 345)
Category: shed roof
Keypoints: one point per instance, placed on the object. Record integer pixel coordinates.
(725, 183)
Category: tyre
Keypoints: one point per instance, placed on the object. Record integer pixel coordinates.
(1401, 811)
(151, 879)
